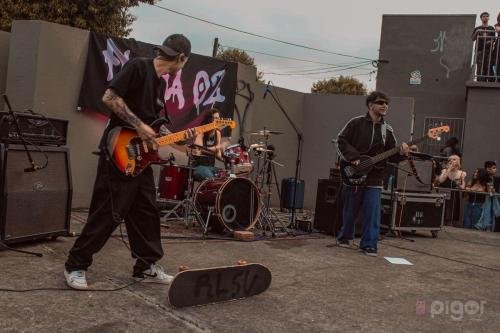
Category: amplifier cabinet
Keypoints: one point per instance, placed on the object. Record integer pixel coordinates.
(34, 204)
(413, 211)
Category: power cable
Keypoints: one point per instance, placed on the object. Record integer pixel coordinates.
(319, 72)
(291, 58)
(260, 36)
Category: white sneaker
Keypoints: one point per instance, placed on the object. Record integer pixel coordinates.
(76, 280)
(155, 274)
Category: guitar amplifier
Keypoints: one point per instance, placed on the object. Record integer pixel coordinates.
(408, 182)
(35, 129)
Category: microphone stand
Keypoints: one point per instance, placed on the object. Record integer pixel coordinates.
(33, 166)
(300, 140)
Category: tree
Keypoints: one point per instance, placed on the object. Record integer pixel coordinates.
(343, 85)
(240, 56)
(108, 17)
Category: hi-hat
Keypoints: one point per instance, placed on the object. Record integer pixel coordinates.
(264, 150)
(266, 132)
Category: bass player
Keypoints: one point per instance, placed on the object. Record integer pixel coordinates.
(365, 133)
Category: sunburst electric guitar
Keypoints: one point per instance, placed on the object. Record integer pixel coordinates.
(131, 155)
(355, 175)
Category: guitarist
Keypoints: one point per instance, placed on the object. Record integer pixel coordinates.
(135, 97)
(368, 133)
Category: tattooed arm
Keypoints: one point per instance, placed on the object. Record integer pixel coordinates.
(120, 108)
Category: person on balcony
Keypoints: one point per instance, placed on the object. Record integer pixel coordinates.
(484, 36)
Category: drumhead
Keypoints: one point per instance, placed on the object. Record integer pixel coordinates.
(238, 204)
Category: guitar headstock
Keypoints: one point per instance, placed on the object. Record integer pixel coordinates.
(435, 133)
(221, 123)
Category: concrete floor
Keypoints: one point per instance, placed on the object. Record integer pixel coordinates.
(454, 285)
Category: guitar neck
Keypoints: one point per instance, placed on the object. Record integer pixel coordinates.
(393, 151)
(180, 136)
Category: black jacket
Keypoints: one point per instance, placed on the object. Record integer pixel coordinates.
(359, 135)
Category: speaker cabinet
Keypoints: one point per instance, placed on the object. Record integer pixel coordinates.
(328, 212)
(34, 204)
(408, 182)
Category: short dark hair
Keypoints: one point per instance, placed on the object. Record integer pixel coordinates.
(372, 97)
(484, 13)
(489, 164)
(214, 110)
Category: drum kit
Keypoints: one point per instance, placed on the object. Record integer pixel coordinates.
(238, 198)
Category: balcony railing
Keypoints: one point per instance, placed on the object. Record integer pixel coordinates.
(486, 57)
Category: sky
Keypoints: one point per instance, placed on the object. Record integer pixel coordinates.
(346, 27)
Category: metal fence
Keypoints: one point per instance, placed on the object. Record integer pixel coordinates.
(433, 147)
(486, 57)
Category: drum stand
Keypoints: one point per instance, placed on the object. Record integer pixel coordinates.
(187, 204)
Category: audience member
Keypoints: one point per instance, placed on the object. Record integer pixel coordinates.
(484, 35)
(452, 177)
(475, 198)
(496, 49)
(451, 148)
(491, 168)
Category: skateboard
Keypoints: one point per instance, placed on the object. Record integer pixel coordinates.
(192, 287)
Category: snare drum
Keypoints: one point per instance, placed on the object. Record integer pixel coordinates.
(238, 156)
(173, 182)
(233, 203)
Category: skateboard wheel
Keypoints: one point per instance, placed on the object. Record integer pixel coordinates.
(242, 262)
(183, 268)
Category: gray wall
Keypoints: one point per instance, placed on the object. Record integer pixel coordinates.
(4, 58)
(45, 70)
(324, 117)
(46, 63)
(407, 43)
(482, 126)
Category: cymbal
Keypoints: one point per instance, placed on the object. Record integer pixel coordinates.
(266, 132)
(257, 146)
(264, 150)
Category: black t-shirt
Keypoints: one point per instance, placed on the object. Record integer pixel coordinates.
(209, 140)
(484, 37)
(141, 88)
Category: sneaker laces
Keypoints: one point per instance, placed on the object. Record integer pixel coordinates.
(156, 271)
(80, 274)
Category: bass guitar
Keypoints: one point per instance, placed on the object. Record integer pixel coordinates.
(355, 175)
(131, 155)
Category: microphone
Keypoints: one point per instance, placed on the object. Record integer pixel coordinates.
(266, 90)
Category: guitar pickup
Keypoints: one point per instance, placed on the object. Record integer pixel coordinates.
(131, 152)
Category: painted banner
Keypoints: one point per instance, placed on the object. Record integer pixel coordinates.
(203, 83)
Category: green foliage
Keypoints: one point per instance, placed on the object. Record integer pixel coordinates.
(240, 56)
(343, 85)
(109, 17)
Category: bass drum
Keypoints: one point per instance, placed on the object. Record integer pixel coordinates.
(233, 203)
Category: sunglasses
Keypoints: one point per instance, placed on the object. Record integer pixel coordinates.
(381, 102)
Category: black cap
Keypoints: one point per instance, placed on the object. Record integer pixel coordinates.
(484, 13)
(175, 44)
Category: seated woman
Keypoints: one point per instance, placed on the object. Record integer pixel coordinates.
(211, 142)
(475, 198)
(452, 177)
